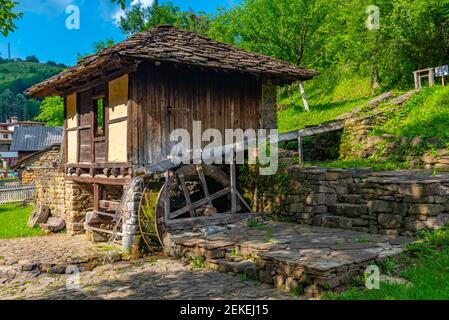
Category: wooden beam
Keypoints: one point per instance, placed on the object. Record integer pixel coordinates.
(182, 182)
(104, 181)
(199, 169)
(167, 196)
(244, 202)
(233, 188)
(97, 191)
(200, 203)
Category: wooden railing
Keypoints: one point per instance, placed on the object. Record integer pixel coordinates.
(16, 193)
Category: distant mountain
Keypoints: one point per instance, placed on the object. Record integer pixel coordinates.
(15, 77)
(20, 75)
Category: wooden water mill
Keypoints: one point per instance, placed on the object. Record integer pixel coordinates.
(189, 194)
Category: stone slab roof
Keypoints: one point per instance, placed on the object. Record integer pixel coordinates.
(166, 44)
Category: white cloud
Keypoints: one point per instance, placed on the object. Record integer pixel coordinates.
(143, 3)
(117, 15)
(120, 13)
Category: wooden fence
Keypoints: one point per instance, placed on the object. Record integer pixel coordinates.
(16, 192)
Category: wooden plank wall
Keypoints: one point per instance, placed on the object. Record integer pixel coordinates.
(220, 100)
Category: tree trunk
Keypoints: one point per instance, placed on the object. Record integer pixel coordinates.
(374, 78)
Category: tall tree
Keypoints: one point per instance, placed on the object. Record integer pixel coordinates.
(284, 28)
(7, 16)
(140, 18)
(52, 112)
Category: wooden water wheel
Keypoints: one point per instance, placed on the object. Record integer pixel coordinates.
(188, 192)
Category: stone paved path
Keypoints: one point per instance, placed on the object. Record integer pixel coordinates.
(163, 278)
(147, 279)
(50, 253)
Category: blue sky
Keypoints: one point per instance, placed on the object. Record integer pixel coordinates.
(42, 31)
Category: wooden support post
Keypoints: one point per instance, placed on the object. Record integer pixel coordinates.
(304, 97)
(233, 188)
(416, 77)
(442, 81)
(199, 170)
(97, 190)
(431, 77)
(167, 196)
(300, 151)
(182, 182)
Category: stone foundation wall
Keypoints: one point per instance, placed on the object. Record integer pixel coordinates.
(130, 211)
(360, 200)
(43, 170)
(79, 199)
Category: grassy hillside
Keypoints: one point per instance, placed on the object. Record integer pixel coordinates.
(329, 96)
(20, 75)
(425, 115)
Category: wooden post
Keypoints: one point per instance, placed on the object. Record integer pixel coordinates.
(431, 77)
(233, 187)
(202, 178)
(417, 82)
(300, 150)
(97, 190)
(167, 196)
(304, 97)
(442, 81)
(182, 182)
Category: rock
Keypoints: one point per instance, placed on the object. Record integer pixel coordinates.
(429, 159)
(427, 209)
(380, 206)
(265, 277)
(291, 284)
(279, 281)
(316, 199)
(432, 140)
(206, 211)
(416, 141)
(389, 221)
(40, 215)
(54, 224)
(348, 210)
(312, 291)
(345, 223)
(296, 208)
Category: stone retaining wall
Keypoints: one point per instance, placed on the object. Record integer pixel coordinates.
(360, 200)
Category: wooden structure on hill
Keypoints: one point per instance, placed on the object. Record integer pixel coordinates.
(122, 103)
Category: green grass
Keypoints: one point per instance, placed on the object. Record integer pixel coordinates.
(425, 115)
(362, 163)
(425, 265)
(329, 96)
(13, 222)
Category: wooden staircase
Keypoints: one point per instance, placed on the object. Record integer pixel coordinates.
(104, 224)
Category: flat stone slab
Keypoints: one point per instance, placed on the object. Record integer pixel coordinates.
(52, 254)
(322, 253)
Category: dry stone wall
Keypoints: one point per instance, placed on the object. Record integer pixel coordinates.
(360, 200)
